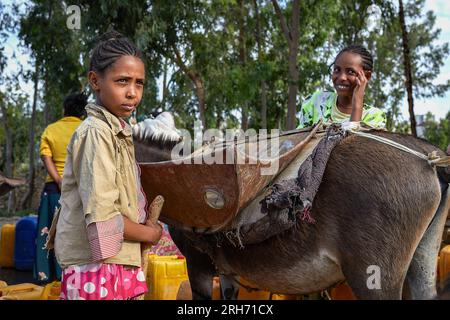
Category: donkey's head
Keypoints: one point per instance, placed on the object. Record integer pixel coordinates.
(155, 138)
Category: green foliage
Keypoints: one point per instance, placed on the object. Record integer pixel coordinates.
(228, 45)
(18, 122)
(55, 50)
(438, 133)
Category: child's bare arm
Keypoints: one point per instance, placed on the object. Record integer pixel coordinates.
(149, 232)
(51, 169)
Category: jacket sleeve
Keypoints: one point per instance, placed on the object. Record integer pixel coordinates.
(306, 113)
(94, 167)
(105, 238)
(375, 118)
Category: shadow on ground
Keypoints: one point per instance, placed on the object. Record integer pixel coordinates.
(12, 276)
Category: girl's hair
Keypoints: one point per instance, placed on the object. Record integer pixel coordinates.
(366, 56)
(74, 105)
(111, 46)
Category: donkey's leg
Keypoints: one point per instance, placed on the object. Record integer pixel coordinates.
(370, 283)
(229, 290)
(201, 272)
(421, 276)
(201, 269)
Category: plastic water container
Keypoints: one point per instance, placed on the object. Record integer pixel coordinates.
(51, 291)
(216, 289)
(444, 265)
(25, 243)
(342, 292)
(164, 276)
(279, 296)
(7, 245)
(23, 291)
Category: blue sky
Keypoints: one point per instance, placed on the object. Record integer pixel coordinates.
(438, 106)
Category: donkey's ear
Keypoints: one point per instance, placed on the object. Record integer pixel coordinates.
(167, 118)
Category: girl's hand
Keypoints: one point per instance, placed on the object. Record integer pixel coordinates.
(156, 229)
(154, 232)
(360, 88)
(358, 96)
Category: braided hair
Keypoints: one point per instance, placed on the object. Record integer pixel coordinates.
(111, 46)
(74, 105)
(366, 56)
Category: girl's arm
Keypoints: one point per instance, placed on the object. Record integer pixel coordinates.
(149, 232)
(51, 169)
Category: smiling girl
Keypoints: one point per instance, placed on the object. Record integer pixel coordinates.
(351, 71)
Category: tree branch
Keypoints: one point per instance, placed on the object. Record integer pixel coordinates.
(295, 23)
(283, 23)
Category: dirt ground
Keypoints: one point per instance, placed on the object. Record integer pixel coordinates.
(12, 276)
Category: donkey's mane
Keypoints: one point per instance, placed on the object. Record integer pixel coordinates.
(158, 131)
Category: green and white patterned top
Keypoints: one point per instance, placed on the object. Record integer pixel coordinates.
(322, 105)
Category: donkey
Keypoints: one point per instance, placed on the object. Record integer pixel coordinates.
(380, 214)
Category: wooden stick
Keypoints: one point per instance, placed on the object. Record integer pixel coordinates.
(153, 215)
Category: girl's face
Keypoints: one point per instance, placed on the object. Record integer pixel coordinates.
(119, 89)
(345, 71)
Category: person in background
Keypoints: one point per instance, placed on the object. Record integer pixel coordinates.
(53, 152)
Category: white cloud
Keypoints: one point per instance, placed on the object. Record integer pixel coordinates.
(442, 77)
(441, 9)
(437, 6)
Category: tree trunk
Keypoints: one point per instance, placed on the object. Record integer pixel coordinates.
(242, 56)
(263, 104)
(201, 95)
(46, 104)
(26, 202)
(198, 84)
(263, 110)
(164, 89)
(8, 153)
(291, 34)
(407, 68)
(49, 48)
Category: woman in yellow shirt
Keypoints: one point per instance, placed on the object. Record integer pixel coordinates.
(53, 152)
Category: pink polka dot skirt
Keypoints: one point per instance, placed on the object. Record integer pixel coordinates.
(101, 281)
